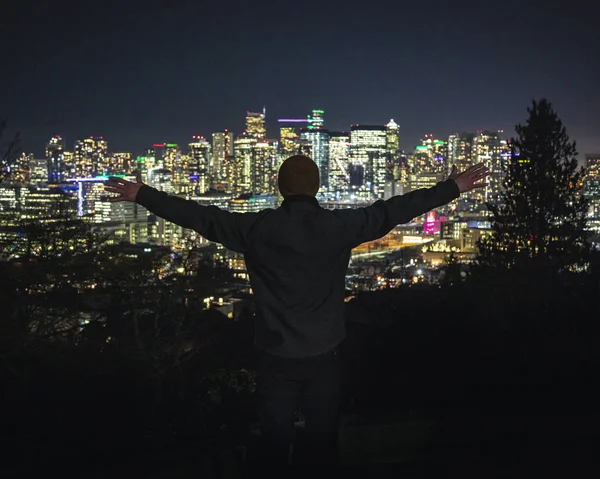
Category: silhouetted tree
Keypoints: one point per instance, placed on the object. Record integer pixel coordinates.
(540, 223)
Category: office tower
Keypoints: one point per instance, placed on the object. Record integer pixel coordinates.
(315, 120)
(368, 150)
(38, 171)
(319, 140)
(255, 124)
(222, 152)
(121, 164)
(431, 156)
(339, 152)
(460, 150)
(264, 168)
(490, 149)
(90, 157)
(288, 141)
(145, 164)
(591, 189)
(240, 169)
(199, 162)
(56, 160)
(392, 141)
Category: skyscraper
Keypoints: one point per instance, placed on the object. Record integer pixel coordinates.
(315, 120)
(392, 141)
(460, 150)
(368, 150)
(56, 160)
(490, 149)
(198, 167)
(255, 124)
(264, 172)
(591, 189)
(222, 152)
(319, 140)
(90, 157)
(339, 152)
(240, 170)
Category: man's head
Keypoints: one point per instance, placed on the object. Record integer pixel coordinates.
(298, 175)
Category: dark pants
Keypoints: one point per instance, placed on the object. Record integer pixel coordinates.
(283, 385)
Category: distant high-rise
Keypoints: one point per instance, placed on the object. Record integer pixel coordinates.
(222, 153)
(339, 152)
(198, 167)
(255, 124)
(90, 157)
(490, 149)
(460, 150)
(56, 160)
(288, 141)
(368, 150)
(392, 141)
(591, 189)
(319, 140)
(315, 120)
(264, 168)
(240, 170)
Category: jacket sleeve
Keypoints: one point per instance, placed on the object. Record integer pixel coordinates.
(232, 230)
(373, 222)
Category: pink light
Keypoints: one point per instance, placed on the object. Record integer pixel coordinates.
(292, 120)
(158, 145)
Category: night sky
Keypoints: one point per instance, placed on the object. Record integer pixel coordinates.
(163, 71)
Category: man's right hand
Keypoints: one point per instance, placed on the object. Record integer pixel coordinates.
(471, 178)
(127, 190)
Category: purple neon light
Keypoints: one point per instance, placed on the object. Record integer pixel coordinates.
(292, 120)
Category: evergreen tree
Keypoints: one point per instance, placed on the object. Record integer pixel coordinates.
(540, 223)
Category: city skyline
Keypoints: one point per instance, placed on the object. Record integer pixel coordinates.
(142, 74)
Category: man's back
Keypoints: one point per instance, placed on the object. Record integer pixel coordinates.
(297, 260)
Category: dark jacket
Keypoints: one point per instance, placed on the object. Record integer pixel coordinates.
(297, 256)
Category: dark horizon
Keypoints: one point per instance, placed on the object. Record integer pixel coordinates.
(143, 73)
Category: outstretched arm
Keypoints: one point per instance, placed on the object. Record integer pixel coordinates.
(377, 220)
(232, 230)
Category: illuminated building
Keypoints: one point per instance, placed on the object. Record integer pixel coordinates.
(255, 124)
(222, 151)
(305, 147)
(145, 164)
(240, 169)
(19, 170)
(213, 198)
(591, 189)
(90, 157)
(38, 171)
(92, 201)
(22, 205)
(160, 231)
(430, 157)
(315, 120)
(319, 140)
(199, 162)
(392, 141)
(56, 160)
(248, 203)
(339, 152)
(264, 172)
(460, 150)
(368, 151)
(288, 141)
(121, 164)
(488, 148)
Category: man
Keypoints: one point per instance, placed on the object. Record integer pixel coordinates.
(296, 257)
